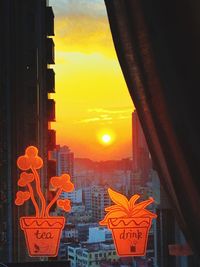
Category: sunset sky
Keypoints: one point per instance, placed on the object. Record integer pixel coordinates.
(93, 106)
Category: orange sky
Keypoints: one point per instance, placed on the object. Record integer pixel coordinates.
(91, 95)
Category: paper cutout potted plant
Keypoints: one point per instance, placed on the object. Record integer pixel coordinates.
(129, 222)
(42, 231)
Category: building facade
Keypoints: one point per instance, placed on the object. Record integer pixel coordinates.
(64, 159)
(99, 234)
(92, 254)
(75, 196)
(100, 200)
(26, 81)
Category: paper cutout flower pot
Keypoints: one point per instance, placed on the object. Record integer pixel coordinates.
(42, 234)
(42, 231)
(130, 235)
(130, 224)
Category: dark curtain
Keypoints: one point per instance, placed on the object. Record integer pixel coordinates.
(158, 46)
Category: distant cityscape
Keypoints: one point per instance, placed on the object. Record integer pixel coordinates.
(83, 241)
(26, 113)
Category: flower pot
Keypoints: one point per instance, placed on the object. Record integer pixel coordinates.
(42, 235)
(130, 235)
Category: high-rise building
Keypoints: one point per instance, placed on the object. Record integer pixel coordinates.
(64, 159)
(26, 81)
(141, 157)
(87, 192)
(167, 233)
(100, 200)
(75, 196)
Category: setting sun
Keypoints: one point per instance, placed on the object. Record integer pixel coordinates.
(106, 138)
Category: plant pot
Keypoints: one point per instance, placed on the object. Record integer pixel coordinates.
(130, 235)
(42, 235)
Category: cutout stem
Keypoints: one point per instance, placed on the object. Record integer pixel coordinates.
(37, 212)
(52, 202)
(38, 188)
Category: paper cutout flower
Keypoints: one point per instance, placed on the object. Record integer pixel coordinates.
(21, 197)
(64, 204)
(25, 178)
(30, 159)
(129, 222)
(63, 182)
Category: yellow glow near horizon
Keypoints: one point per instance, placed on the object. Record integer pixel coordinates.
(91, 93)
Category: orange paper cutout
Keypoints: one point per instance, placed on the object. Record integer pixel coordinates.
(129, 222)
(42, 232)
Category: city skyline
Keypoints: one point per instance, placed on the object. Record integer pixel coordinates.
(91, 94)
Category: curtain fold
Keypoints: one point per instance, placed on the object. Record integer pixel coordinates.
(158, 47)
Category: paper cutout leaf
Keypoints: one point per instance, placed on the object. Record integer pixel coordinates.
(64, 204)
(132, 201)
(63, 182)
(25, 178)
(140, 206)
(118, 198)
(21, 197)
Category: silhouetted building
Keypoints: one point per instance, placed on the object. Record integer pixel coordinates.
(26, 79)
(141, 157)
(167, 232)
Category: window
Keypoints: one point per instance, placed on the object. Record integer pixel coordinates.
(71, 257)
(93, 114)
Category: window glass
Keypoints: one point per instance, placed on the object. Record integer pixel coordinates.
(99, 139)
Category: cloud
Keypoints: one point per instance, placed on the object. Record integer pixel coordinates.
(99, 119)
(111, 111)
(117, 114)
(75, 8)
(82, 25)
(88, 120)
